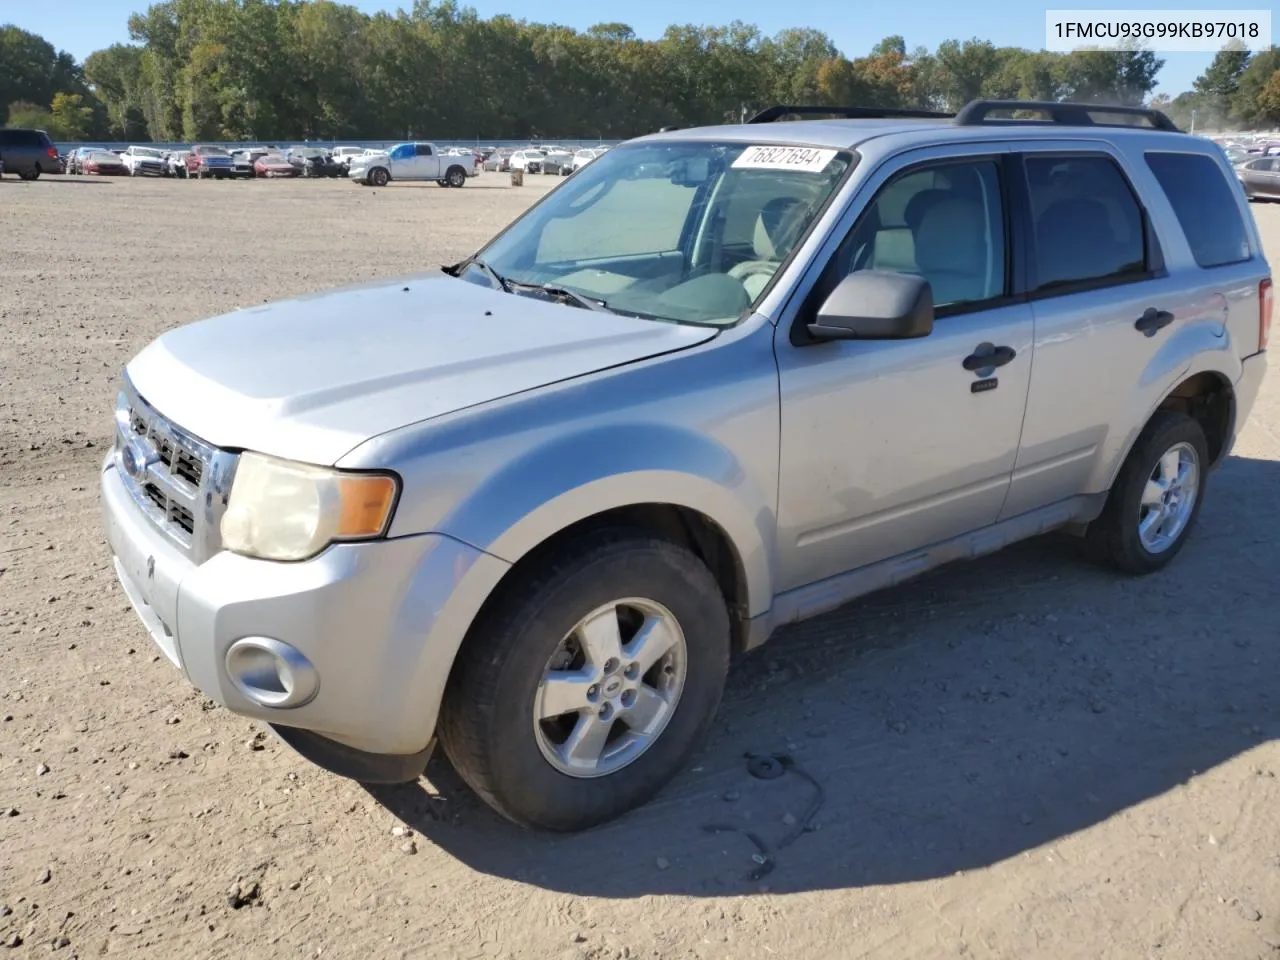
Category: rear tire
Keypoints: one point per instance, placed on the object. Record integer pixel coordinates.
(487, 724)
(1116, 538)
(32, 174)
(456, 177)
(379, 177)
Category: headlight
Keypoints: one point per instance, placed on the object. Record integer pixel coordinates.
(281, 510)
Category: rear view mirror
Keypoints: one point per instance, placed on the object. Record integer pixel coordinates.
(876, 305)
(692, 172)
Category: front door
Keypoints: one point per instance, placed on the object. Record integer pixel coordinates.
(403, 161)
(890, 446)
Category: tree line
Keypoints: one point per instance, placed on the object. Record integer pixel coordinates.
(316, 69)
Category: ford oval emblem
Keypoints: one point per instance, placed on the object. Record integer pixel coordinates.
(135, 458)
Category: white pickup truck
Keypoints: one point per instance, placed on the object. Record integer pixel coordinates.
(412, 161)
(144, 160)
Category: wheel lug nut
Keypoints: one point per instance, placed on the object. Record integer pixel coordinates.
(628, 697)
(631, 671)
(593, 692)
(606, 711)
(610, 665)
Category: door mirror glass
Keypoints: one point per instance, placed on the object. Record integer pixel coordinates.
(876, 305)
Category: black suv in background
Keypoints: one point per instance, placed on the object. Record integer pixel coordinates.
(28, 153)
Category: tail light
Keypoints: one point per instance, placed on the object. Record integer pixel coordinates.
(1266, 300)
(52, 152)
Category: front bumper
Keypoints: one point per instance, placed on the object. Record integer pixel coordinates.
(379, 622)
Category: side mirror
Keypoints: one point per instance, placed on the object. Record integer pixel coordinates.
(876, 305)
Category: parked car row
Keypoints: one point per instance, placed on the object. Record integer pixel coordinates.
(30, 153)
(209, 161)
(548, 160)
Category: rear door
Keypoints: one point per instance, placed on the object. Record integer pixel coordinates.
(426, 162)
(1107, 307)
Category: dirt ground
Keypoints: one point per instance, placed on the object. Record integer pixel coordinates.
(1020, 757)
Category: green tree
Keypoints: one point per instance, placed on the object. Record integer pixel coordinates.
(1246, 105)
(24, 113)
(31, 70)
(116, 78)
(1218, 85)
(966, 70)
(70, 117)
(1269, 99)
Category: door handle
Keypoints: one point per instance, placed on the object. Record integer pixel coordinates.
(1153, 320)
(992, 357)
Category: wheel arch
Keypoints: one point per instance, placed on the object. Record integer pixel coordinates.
(1207, 395)
(685, 526)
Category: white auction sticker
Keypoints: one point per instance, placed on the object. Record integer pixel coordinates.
(809, 159)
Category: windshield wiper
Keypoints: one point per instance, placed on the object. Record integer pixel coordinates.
(507, 285)
(499, 280)
(563, 293)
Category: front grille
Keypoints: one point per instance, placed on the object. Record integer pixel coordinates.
(179, 482)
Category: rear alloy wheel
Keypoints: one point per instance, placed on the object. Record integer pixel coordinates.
(379, 177)
(1156, 499)
(32, 174)
(590, 683)
(456, 177)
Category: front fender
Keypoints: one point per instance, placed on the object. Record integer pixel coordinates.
(578, 476)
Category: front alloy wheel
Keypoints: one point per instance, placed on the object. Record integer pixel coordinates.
(609, 690)
(589, 682)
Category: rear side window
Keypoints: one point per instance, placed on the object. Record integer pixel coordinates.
(1088, 226)
(423, 150)
(1205, 205)
(22, 138)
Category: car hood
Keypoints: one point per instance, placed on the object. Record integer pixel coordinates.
(311, 378)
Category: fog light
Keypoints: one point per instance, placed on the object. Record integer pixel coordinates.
(271, 673)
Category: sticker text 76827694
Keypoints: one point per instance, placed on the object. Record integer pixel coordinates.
(808, 159)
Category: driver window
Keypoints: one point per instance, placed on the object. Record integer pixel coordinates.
(943, 223)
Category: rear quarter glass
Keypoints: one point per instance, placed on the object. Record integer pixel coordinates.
(1204, 202)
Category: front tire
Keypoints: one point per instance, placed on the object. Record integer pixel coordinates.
(1155, 501)
(589, 683)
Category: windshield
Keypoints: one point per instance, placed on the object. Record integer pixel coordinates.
(691, 232)
(212, 152)
(146, 152)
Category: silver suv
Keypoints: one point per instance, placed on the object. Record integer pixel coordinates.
(718, 381)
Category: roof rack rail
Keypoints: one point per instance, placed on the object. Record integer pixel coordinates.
(975, 113)
(779, 111)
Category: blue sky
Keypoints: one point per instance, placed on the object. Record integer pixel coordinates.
(82, 26)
